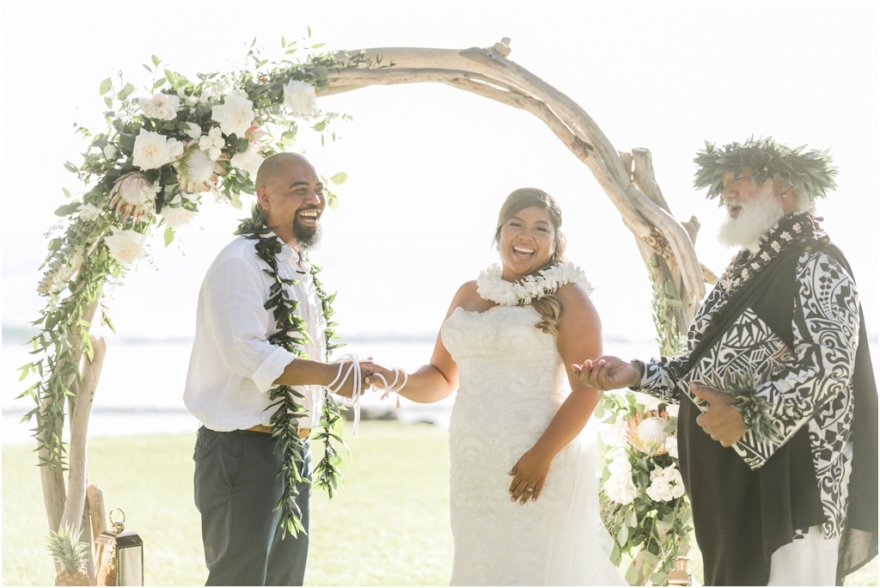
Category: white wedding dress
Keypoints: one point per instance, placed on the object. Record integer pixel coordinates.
(512, 382)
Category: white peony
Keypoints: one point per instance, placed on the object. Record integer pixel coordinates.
(88, 212)
(248, 161)
(620, 489)
(125, 246)
(615, 434)
(299, 97)
(150, 150)
(178, 216)
(110, 151)
(235, 115)
(193, 131)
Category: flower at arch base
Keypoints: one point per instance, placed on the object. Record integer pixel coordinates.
(235, 115)
(646, 432)
(133, 194)
(150, 150)
(299, 97)
(248, 161)
(125, 245)
(620, 489)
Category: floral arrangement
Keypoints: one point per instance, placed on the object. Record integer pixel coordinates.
(644, 506)
(163, 152)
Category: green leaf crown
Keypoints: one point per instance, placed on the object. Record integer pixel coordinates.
(810, 172)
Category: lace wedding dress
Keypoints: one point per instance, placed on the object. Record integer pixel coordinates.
(512, 382)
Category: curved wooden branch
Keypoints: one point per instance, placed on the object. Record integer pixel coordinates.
(79, 430)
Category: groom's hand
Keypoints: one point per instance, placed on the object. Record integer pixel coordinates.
(608, 373)
(348, 388)
(721, 421)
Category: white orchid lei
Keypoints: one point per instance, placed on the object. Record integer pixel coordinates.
(491, 286)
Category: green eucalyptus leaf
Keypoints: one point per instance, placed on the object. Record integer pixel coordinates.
(159, 83)
(320, 126)
(125, 92)
(155, 60)
(70, 167)
(622, 535)
(169, 236)
(67, 209)
(66, 192)
(632, 575)
(631, 520)
(339, 178)
(105, 86)
(659, 578)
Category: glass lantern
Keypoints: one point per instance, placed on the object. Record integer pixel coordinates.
(120, 555)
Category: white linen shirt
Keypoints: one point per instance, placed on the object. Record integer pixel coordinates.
(233, 364)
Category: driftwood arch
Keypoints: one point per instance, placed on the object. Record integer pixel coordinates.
(665, 244)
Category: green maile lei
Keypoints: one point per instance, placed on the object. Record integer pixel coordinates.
(292, 335)
(808, 171)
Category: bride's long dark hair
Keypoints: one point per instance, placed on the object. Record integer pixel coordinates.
(549, 306)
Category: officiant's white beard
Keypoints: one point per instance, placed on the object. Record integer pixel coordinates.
(754, 220)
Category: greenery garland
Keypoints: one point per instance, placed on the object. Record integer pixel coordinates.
(292, 335)
(808, 171)
(165, 147)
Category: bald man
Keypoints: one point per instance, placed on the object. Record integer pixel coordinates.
(232, 368)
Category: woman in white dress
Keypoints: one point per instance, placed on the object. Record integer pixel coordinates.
(523, 486)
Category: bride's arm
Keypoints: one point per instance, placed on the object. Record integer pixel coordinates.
(579, 331)
(438, 379)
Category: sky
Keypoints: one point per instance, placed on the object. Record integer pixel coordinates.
(429, 165)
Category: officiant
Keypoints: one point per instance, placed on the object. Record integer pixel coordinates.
(777, 428)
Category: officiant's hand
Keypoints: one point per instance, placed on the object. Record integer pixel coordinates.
(721, 421)
(528, 474)
(607, 373)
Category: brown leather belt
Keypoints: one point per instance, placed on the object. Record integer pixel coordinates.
(303, 433)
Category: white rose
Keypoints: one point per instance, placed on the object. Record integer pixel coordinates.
(657, 473)
(620, 489)
(672, 475)
(147, 106)
(110, 151)
(166, 106)
(659, 490)
(176, 217)
(235, 115)
(299, 97)
(672, 446)
(677, 491)
(249, 161)
(175, 148)
(193, 130)
(214, 153)
(615, 435)
(88, 212)
(216, 134)
(620, 466)
(150, 150)
(125, 246)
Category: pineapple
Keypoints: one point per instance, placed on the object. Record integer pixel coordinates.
(71, 556)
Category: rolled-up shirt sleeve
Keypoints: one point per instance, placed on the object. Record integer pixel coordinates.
(240, 325)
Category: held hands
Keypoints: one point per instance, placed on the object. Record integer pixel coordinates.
(346, 387)
(721, 421)
(607, 373)
(528, 474)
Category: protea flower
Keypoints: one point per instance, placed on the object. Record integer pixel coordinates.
(196, 172)
(132, 195)
(646, 432)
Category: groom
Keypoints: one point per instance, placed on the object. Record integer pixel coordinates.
(777, 428)
(232, 368)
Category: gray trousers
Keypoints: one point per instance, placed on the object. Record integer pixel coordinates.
(236, 490)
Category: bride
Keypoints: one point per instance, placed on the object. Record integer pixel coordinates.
(523, 486)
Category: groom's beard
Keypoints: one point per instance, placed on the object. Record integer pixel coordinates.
(306, 237)
(754, 220)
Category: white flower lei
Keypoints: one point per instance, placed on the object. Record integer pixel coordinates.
(490, 285)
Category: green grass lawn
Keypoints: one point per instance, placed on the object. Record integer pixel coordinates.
(389, 526)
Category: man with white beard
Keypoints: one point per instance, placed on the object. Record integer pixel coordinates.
(777, 428)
